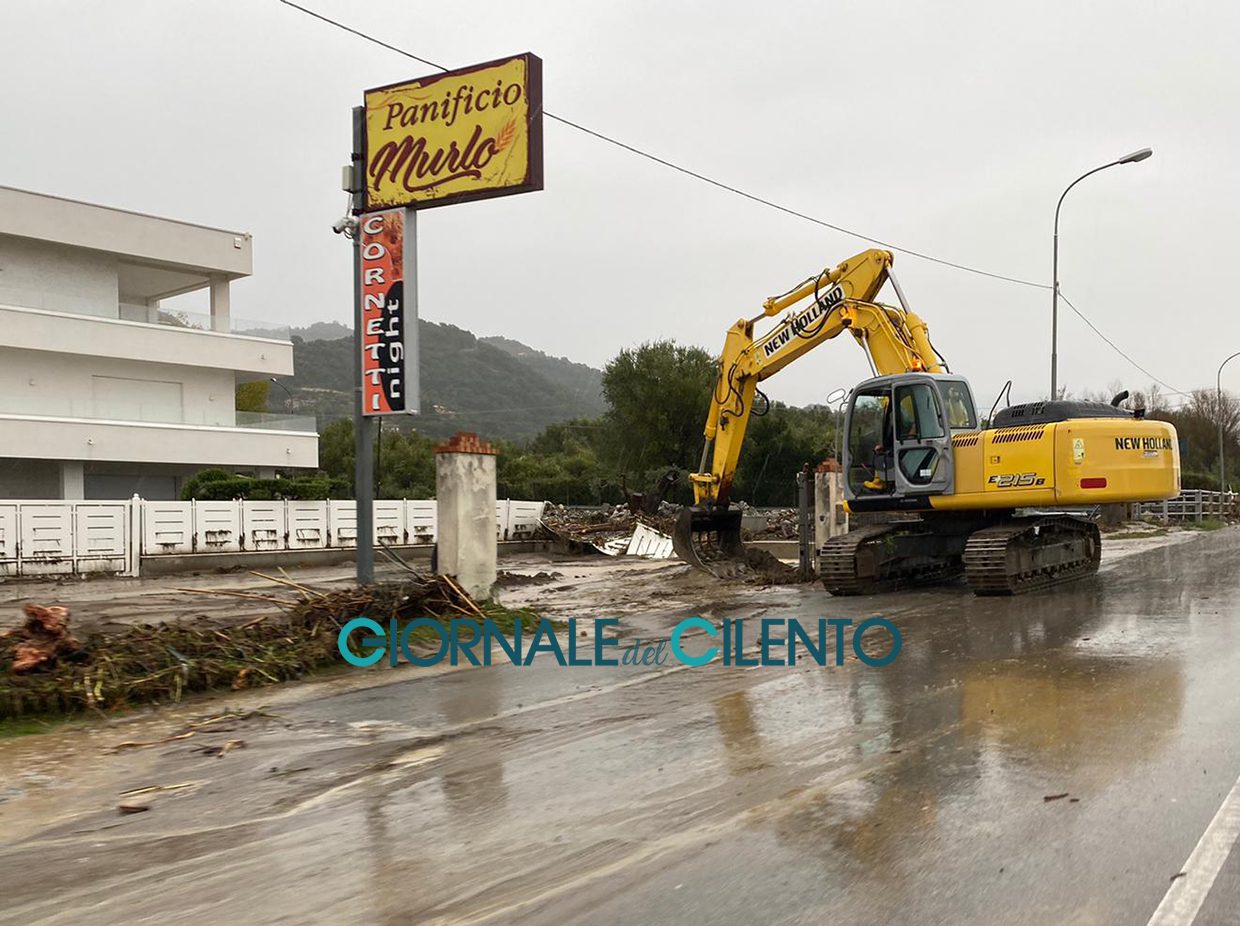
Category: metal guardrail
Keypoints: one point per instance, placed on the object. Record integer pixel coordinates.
(1194, 505)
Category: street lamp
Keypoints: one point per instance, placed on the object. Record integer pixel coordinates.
(288, 401)
(1126, 159)
(1218, 410)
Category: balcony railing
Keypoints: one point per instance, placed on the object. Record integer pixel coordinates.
(133, 413)
(270, 422)
(200, 321)
(151, 315)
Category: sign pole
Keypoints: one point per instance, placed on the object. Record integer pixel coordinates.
(363, 446)
(413, 383)
(470, 134)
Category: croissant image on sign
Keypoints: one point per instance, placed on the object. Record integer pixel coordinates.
(468, 134)
(389, 325)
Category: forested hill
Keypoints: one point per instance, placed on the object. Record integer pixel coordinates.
(495, 386)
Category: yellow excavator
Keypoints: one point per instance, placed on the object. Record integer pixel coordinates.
(986, 502)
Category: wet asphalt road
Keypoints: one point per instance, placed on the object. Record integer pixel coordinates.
(914, 793)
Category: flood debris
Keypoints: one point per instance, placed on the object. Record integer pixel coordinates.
(505, 577)
(160, 742)
(221, 749)
(158, 789)
(767, 569)
(160, 663)
(197, 726)
(781, 524)
(43, 640)
(617, 531)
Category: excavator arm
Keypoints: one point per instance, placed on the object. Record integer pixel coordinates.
(895, 339)
(708, 535)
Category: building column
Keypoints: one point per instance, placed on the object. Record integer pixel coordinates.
(465, 522)
(72, 479)
(220, 311)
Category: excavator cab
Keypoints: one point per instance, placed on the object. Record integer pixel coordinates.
(899, 436)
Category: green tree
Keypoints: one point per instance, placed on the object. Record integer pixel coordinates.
(657, 396)
(406, 465)
(252, 397)
(336, 454)
(1196, 423)
(777, 445)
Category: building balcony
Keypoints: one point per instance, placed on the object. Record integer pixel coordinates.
(255, 440)
(179, 338)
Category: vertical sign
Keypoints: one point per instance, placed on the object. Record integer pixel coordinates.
(389, 320)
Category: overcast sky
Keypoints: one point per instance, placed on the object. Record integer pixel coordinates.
(949, 128)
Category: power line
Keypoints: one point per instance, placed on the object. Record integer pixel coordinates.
(752, 197)
(719, 184)
(789, 211)
(363, 35)
(1116, 347)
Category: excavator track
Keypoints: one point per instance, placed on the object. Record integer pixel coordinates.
(1031, 554)
(885, 557)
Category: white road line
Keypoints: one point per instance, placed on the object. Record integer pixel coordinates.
(1186, 895)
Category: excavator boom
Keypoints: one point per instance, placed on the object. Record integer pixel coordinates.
(895, 339)
(841, 300)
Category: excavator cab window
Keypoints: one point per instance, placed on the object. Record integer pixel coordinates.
(919, 426)
(870, 443)
(899, 436)
(959, 401)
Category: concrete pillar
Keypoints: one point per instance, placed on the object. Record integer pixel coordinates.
(465, 528)
(72, 479)
(830, 519)
(220, 311)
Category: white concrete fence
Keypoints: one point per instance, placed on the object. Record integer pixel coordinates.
(80, 537)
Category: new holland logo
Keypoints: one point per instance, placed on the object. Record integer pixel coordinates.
(781, 336)
(1142, 443)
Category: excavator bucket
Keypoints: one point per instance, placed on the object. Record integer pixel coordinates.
(708, 539)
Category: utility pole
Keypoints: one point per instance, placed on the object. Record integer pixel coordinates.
(364, 464)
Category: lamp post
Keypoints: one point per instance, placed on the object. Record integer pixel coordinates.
(1218, 410)
(289, 400)
(1126, 159)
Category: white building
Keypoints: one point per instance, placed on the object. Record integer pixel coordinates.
(103, 394)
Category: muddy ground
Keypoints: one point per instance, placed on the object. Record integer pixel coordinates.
(1046, 759)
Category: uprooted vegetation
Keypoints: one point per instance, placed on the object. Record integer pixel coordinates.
(49, 671)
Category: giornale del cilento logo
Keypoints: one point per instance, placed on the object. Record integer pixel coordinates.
(694, 641)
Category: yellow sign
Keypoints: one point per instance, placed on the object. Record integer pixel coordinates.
(467, 134)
